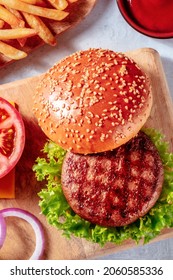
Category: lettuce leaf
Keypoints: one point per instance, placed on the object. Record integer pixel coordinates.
(59, 214)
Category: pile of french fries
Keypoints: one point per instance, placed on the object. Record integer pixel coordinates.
(22, 19)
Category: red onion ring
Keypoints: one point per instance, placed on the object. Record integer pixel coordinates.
(2, 230)
(32, 220)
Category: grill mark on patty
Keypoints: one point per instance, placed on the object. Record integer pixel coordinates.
(117, 187)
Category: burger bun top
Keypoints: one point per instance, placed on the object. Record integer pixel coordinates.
(93, 101)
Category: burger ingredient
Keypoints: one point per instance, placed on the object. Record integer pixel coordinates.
(7, 185)
(12, 137)
(59, 213)
(32, 220)
(93, 101)
(2, 230)
(117, 187)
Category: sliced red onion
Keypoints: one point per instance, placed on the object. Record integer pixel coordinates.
(2, 230)
(33, 221)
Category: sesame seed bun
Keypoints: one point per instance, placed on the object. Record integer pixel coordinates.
(93, 101)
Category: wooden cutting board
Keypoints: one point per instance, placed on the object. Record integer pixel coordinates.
(20, 238)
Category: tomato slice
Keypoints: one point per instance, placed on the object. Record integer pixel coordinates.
(12, 137)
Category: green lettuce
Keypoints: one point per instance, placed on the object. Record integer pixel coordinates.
(59, 214)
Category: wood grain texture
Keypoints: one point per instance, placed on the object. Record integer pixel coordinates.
(77, 12)
(20, 238)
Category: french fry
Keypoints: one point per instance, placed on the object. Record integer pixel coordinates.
(17, 33)
(11, 52)
(13, 18)
(43, 31)
(1, 23)
(72, 1)
(17, 14)
(59, 4)
(35, 2)
(21, 41)
(35, 10)
(10, 18)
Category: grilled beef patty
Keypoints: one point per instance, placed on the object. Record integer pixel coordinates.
(117, 187)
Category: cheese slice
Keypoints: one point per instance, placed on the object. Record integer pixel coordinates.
(7, 185)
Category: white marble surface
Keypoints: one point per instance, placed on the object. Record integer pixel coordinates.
(106, 28)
